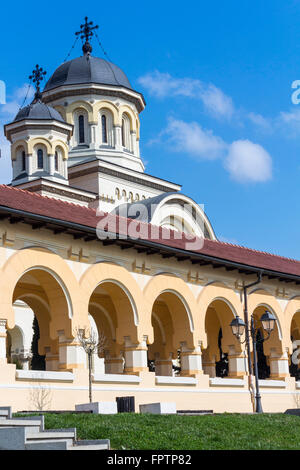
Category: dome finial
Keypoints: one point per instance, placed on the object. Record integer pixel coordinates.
(37, 76)
(86, 32)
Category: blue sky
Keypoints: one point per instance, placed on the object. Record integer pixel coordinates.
(217, 80)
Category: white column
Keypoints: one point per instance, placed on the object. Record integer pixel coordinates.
(51, 165)
(29, 164)
(71, 354)
(279, 364)
(26, 361)
(94, 140)
(118, 138)
(137, 148)
(135, 356)
(3, 334)
(14, 164)
(237, 363)
(133, 142)
(65, 168)
(191, 363)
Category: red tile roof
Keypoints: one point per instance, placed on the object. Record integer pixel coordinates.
(33, 203)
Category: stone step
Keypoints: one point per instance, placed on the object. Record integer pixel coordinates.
(48, 445)
(99, 442)
(43, 436)
(89, 447)
(28, 434)
(11, 423)
(12, 438)
(40, 418)
(5, 412)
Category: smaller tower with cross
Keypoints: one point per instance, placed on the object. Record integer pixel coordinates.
(37, 76)
(39, 139)
(86, 33)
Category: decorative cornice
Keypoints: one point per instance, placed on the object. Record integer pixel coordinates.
(92, 91)
(117, 174)
(61, 192)
(9, 129)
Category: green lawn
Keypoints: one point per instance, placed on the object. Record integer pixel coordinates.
(155, 432)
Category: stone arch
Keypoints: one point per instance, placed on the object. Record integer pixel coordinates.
(260, 300)
(124, 109)
(16, 341)
(138, 126)
(77, 106)
(125, 296)
(221, 343)
(105, 105)
(40, 141)
(63, 146)
(292, 308)
(15, 146)
(210, 293)
(44, 264)
(161, 285)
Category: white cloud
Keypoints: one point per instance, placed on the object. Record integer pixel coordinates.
(289, 122)
(260, 121)
(248, 162)
(214, 100)
(192, 138)
(244, 160)
(290, 117)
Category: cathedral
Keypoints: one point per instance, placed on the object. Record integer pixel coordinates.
(92, 243)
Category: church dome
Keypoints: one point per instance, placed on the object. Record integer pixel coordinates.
(87, 69)
(38, 110)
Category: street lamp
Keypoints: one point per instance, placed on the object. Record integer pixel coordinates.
(238, 327)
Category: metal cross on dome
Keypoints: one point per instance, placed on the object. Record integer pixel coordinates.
(86, 32)
(37, 76)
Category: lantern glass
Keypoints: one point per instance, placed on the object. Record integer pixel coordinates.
(237, 326)
(268, 321)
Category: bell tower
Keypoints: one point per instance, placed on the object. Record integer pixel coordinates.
(39, 139)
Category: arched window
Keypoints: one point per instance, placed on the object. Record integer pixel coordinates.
(131, 196)
(40, 159)
(104, 129)
(81, 129)
(23, 166)
(56, 161)
(123, 133)
(118, 195)
(126, 132)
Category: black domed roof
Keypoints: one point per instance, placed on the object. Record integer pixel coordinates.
(38, 110)
(87, 69)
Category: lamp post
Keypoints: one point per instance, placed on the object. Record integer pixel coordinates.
(238, 327)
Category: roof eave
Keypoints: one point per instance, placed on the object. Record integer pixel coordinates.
(148, 247)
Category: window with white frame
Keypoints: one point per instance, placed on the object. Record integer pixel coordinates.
(23, 161)
(58, 157)
(126, 140)
(81, 127)
(106, 128)
(40, 159)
